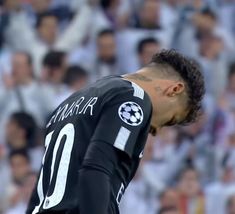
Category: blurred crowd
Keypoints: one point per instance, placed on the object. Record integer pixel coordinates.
(52, 48)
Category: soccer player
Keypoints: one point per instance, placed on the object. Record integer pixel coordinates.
(95, 139)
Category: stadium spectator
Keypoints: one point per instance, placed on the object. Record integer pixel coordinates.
(25, 190)
(75, 79)
(47, 35)
(116, 13)
(192, 199)
(54, 64)
(198, 24)
(21, 133)
(106, 62)
(37, 7)
(20, 165)
(213, 63)
(169, 198)
(149, 15)
(47, 26)
(217, 193)
(19, 162)
(147, 23)
(146, 48)
(21, 92)
(54, 70)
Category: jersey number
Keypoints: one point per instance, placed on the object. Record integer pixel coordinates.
(56, 197)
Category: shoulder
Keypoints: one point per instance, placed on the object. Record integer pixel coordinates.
(117, 88)
(131, 101)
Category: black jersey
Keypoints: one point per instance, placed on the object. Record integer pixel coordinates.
(112, 110)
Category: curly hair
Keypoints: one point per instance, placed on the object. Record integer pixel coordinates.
(190, 72)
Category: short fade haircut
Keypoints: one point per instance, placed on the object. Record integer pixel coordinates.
(145, 41)
(190, 72)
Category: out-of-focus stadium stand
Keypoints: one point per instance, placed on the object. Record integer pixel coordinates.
(51, 48)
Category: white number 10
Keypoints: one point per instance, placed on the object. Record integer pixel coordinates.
(56, 197)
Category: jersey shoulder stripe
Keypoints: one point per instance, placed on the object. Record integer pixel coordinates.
(122, 138)
(138, 91)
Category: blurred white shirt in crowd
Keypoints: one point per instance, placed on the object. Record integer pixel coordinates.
(217, 195)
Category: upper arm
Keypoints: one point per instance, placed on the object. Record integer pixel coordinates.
(122, 121)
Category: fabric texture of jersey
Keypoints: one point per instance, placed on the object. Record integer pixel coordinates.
(113, 111)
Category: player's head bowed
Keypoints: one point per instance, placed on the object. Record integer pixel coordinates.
(175, 65)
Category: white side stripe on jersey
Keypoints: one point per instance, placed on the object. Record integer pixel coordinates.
(138, 91)
(122, 138)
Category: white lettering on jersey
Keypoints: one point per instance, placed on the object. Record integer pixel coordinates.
(78, 103)
(81, 106)
(90, 104)
(120, 193)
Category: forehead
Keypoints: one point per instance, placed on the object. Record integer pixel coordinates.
(49, 19)
(18, 158)
(189, 174)
(106, 37)
(150, 45)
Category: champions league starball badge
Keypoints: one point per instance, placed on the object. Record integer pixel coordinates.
(131, 113)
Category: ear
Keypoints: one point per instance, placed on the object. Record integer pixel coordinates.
(175, 89)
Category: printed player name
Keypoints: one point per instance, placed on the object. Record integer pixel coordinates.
(81, 106)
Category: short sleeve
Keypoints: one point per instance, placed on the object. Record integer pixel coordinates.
(123, 120)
